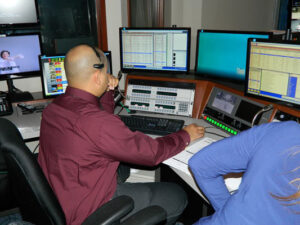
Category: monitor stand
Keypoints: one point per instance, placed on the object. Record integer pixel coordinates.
(16, 95)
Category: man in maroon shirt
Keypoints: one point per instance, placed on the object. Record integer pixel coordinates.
(82, 143)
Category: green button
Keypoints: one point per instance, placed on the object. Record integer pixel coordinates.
(223, 126)
(235, 133)
(226, 128)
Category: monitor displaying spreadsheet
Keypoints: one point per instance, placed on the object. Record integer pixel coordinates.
(155, 49)
(273, 71)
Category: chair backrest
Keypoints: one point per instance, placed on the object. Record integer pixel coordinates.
(7, 199)
(35, 198)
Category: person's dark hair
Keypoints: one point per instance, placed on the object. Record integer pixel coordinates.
(3, 52)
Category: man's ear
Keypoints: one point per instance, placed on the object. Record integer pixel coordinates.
(97, 77)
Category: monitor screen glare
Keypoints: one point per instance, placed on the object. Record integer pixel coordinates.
(18, 12)
(19, 54)
(223, 53)
(273, 71)
(155, 49)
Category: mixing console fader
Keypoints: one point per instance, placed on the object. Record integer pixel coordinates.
(175, 98)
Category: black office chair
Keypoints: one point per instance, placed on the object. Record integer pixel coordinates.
(36, 200)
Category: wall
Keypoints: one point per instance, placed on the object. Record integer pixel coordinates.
(187, 13)
(113, 22)
(240, 14)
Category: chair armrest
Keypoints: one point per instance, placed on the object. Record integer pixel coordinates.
(148, 216)
(110, 212)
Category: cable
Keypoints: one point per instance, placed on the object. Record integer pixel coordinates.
(264, 109)
(123, 107)
(215, 134)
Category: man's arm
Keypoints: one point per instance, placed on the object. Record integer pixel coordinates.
(117, 142)
(107, 99)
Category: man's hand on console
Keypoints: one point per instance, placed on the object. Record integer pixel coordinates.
(194, 131)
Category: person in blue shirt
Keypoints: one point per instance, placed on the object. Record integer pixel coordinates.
(269, 156)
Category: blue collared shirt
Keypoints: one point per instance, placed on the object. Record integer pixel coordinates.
(267, 155)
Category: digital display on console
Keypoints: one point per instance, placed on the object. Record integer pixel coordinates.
(246, 111)
(224, 101)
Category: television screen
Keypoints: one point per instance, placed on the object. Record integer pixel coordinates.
(223, 53)
(155, 49)
(18, 12)
(54, 79)
(273, 71)
(20, 55)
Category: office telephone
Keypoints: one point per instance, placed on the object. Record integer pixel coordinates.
(5, 105)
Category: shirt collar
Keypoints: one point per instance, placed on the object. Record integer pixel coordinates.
(78, 93)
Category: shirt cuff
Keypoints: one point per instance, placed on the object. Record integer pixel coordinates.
(185, 138)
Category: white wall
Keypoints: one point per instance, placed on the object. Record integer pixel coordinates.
(188, 13)
(114, 14)
(260, 15)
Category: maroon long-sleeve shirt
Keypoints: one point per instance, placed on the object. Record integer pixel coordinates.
(81, 145)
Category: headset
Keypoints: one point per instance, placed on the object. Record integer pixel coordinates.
(100, 66)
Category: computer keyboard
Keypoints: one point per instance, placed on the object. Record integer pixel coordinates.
(27, 108)
(152, 125)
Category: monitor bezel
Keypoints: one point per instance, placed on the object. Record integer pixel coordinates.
(269, 99)
(212, 76)
(130, 70)
(16, 25)
(57, 55)
(28, 74)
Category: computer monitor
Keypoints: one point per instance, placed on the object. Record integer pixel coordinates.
(19, 55)
(273, 71)
(155, 49)
(13, 12)
(54, 79)
(294, 15)
(222, 54)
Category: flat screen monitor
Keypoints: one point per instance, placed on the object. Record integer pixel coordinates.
(222, 54)
(294, 14)
(19, 55)
(273, 71)
(155, 49)
(54, 79)
(18, 12)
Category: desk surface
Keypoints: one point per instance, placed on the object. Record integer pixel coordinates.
(232, 181)
(29, 127)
